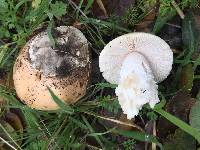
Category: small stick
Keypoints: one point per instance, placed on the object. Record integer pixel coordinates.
(101, 6)
(179, 11)
(154, 134)
(115, 121)
(174, 25)
(76, 7)
(7, 143)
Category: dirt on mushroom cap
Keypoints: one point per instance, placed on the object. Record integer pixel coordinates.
(71, 51)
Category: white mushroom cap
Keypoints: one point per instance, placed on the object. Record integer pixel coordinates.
(154, 49)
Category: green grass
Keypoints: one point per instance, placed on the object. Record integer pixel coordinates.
(80, 126)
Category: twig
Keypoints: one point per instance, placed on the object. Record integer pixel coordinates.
(7, 143)
(10, 137)
(93, 147)
(173, 25)
(48, 132)
(101, 6)
(55, 134)
(179, 11)
(8, 44)
(76, 7)
(115, 121)
(2, 41)
(154, 134)
(142, 119)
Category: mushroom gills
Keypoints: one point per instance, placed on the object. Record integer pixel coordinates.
(137, 85)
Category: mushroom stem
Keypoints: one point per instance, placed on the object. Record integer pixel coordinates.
(137, 85)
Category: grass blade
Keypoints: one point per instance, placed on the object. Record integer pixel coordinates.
(139, 136)
(88, 6)
(66, 108)
(92, 131)
(103, 133)
(49, 32)
(190, 37)
(106, 85)
(184, 126)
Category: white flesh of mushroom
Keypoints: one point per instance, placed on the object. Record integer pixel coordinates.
(137, 85)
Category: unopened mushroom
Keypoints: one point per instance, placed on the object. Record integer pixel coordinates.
(64, 69)
(136, 62)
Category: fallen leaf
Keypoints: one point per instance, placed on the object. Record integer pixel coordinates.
(196, 90)
(190, 36)
(162, 20)
(10, 130)
(14, 120)
(36, 3)
(102, 7)
(146, 24)
(78, 25)
(171, 33)
(195, 116)
(112, 7)
(179, 106)
(187, 77)
(149, 127)
(120, 6)
(167, 12)
(179, 141)
(123, 118)
(196, 13)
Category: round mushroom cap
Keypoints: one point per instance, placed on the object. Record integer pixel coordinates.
(153, 48)
(65, 69)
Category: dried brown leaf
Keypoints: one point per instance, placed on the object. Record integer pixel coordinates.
(179, 106)
(187, 77)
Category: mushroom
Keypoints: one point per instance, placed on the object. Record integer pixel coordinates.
(64, 69)
(136, 62)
